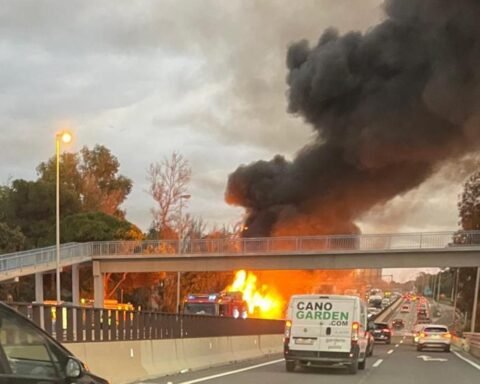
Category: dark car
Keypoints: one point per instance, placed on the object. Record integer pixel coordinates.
(382, 332)
(28, 355)
(398, 324)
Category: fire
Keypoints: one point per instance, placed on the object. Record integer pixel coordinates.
(263, 301)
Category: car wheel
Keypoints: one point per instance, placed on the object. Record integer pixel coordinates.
(370, 352)
(290, 366)
(419, 347)
(447, 348)
(353, 368)
(389, 341)
(362, 364)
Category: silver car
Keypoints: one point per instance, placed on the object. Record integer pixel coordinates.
(435, 336)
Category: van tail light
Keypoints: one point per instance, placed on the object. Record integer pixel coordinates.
(288, 327)
(423, 334)
(447, 335)
(355, 329)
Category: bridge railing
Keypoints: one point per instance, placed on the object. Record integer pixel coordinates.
(303, 244)
(85, 324)
(42, 256)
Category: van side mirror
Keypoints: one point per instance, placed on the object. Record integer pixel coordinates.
(73, 369)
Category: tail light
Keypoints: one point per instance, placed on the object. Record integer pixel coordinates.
(355, 329)
(423, 334)
(386, 330)
(447, 335)
(288, 327)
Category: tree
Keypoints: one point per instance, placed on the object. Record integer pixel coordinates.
(168, 183)
(11, 239)
(97, 226)
(469, 212)
(30, 205)
(469, 204)
(93, 175)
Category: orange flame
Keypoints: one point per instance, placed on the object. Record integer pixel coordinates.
(262, 301)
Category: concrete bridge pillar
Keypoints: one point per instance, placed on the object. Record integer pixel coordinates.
(98, 286)
(75, 285)
(39, 287)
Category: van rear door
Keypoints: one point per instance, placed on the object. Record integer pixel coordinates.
(322, 323)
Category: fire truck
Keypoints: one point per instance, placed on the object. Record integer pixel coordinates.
(227, 304)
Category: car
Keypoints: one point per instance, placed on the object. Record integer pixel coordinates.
(398, 324)
(28, 355)
(382, 332)
(405, 308)
(434, 336)
(385, 303)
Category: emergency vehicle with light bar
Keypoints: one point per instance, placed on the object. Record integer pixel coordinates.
(326, 330)
(226, 304)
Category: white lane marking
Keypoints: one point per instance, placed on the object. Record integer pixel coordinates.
(401, 341)
(397, 345)
(428, 358)
(390, 351)
(475, 365)
(232, 372)
(377, 363)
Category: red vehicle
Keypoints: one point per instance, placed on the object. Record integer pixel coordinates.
(227, 304)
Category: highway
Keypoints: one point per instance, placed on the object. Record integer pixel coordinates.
(398, 363)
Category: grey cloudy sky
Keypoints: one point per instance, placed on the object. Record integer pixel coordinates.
(205, 78)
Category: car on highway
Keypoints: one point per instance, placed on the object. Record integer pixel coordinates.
(382, 332)
(398, 324)
(434, 336)
(28, 355)
(405, 308)
(385, 302)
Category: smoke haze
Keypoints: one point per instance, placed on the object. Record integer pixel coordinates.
(387, 106)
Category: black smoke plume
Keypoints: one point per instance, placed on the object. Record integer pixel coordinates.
(387, 107)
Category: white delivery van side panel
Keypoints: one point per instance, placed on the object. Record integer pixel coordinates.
(322, 323)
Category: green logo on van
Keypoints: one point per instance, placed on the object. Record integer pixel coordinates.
(319, 311)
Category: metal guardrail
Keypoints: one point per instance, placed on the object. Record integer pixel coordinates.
(70, 324)
(473, 339)
(231, 246)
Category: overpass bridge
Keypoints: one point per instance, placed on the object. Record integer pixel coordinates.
(405, 250)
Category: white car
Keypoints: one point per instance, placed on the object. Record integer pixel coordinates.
(405, 309)
(435, 336)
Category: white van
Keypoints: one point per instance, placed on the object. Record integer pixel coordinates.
(326, 330)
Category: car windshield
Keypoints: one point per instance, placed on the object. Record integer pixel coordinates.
(435, 329)
(381, 326)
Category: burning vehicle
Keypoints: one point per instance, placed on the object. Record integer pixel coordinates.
(227, 304)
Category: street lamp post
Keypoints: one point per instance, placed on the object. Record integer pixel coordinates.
(180, 244)
(65, 137)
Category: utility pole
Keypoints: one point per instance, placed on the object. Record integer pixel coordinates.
(455, 293)
(475, 301)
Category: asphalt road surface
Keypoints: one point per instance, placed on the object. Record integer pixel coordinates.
(398, 363)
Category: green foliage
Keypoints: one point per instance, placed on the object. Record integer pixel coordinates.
(97, 226)
(30, 205)
(11, 239)
(93, 175)
(469, 204)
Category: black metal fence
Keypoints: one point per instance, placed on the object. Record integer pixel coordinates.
(83, 324)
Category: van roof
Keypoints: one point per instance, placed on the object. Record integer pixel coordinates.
(324, 296)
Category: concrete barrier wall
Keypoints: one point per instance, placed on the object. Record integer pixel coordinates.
(123, 362)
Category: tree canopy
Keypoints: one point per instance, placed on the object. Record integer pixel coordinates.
(97, 226)
(92, 174)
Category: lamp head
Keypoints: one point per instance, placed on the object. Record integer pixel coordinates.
(66, 137)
